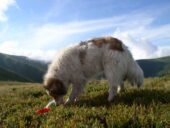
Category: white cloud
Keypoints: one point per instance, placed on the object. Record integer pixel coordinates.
(14, 48)
(137, 33)
(52, 33)
(141, 48)
(163, 51)
(4, 5)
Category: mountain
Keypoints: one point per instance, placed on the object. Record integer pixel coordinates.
(155, 67)
(6, 75)
(20, 68)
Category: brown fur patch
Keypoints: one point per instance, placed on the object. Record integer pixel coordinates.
(55, 87)
(114, 43)
(82, 55)
(98, 41)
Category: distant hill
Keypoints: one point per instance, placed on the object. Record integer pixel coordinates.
(21, 68)
(6, 75)
(155, 67)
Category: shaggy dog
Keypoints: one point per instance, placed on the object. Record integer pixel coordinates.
(77, 64)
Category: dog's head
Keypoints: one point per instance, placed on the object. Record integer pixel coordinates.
(55, 88)
(135, 75)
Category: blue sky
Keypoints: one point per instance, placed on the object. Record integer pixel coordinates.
(40, 28)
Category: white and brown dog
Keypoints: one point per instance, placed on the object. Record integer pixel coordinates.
(77, 64)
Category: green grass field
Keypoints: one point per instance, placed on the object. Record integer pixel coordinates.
(148, 107)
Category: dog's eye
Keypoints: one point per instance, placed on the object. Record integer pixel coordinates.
(52, 92)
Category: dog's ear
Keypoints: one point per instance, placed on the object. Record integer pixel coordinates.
(55, 87)
(59, 87)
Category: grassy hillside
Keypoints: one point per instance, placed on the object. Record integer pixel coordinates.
(155, 67)
(29, 69)
(7, 75)
(146, 107)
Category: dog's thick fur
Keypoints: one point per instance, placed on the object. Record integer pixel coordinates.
(77, 64)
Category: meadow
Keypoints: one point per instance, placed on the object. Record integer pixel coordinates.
(148, 107)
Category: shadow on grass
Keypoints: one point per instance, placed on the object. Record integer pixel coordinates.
(142, 97)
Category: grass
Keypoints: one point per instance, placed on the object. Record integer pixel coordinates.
(148, 107)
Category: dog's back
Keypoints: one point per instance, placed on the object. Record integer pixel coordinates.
(94, 53)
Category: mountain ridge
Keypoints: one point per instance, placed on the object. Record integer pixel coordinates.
(30, 69)
(155, 67)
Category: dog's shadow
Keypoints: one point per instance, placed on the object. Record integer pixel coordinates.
(142, 97)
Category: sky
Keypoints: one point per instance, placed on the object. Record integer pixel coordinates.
(39, 29)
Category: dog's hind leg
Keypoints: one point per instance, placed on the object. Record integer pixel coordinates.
(115, 80)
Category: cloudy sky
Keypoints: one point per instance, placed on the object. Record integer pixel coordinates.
(40, 28)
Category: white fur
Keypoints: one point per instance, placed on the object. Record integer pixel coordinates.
(116, 65)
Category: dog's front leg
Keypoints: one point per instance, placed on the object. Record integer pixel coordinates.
(121, 88)
(76, 90)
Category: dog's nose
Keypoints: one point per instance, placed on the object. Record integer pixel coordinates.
(59, 100)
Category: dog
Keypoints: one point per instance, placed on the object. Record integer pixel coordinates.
(77, 64)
